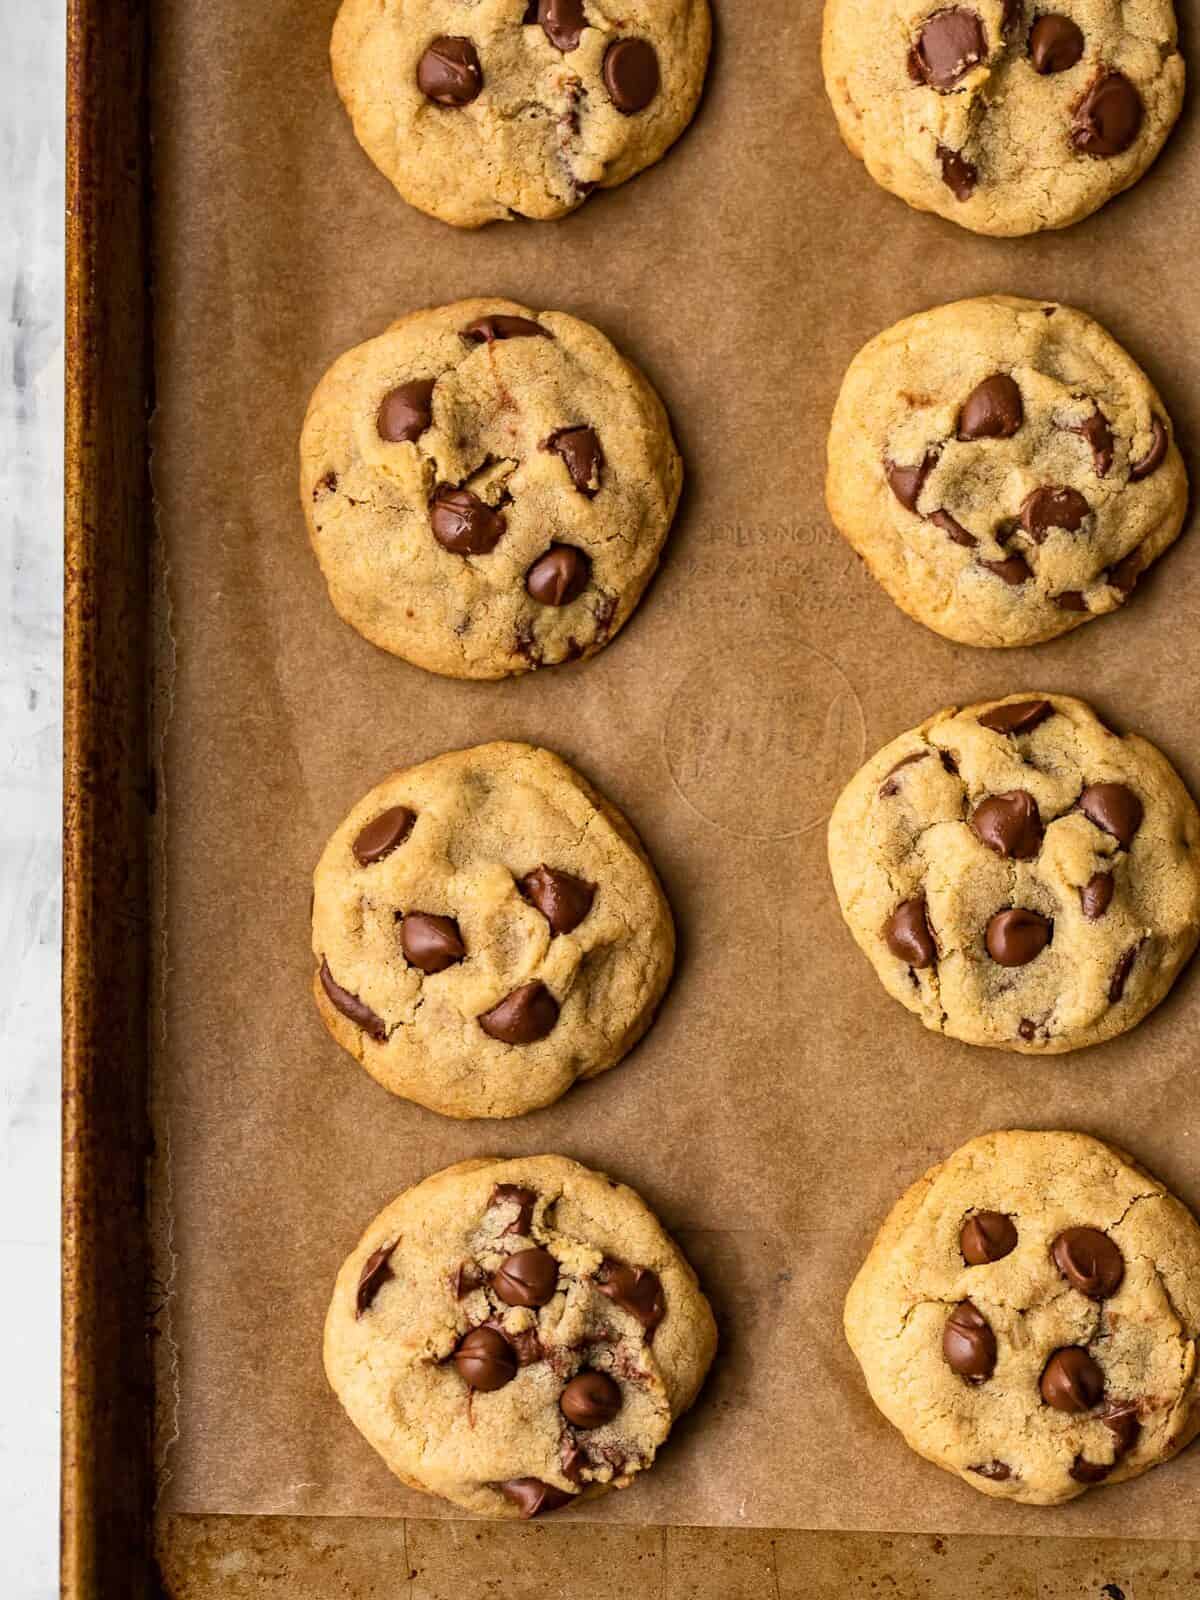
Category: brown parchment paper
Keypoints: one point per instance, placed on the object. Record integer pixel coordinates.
(782, 1101)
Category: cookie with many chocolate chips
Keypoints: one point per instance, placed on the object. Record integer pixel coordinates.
(486, 929)
(1061, 1355)
(517, 108)
(1018, 875)
(1004, 468)
(1004, 118)
(487, 488)
(510, 1403)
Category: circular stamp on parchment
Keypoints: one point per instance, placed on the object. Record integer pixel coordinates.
(761, 736)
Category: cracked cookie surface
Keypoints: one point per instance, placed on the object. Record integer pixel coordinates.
(1004, 468)
(487, 929)
(515, 1335)
(1004, 118)
(1018, 875)
(487, 488)
(1028, 1317)
(517, 108)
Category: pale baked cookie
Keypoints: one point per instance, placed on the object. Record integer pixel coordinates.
(1001, 116)
(517, 108)
(487, 488)
(1004, 468)
(1028, 1317)
(487, 929)
(515, 1335)
(1018, 875)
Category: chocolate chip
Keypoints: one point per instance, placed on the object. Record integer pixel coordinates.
(376, 1270)
(948, 46)
(562, 22)
(906, 483)
(485, 1360)
(590, 1400)
(1096, 431)
(449, 73)
(1053, 508)
(1108, 117)
(580, 449)
(636, 1290)
(992, 410)
(1089, 1471)
(1089, 1261)
(1071, 1380)
(325, 485)
(890, 784)
(908, 934)
(505, 1194)
(1156, 454)
(955, 530)
(968, 1343)
(560, 576)
(1121, 1418)
(1010, 824)
(1071, 600)
(1121, 971)
(987, 1236)
(528, 1278)
(997, 1471)
(563, 900)
(1020, 717)
(351, 1006)
(382, 835)
(1055, 44)
(523, 1017)
(958, 174)
(532, 1497)
(1096, 895)
(431, 944)
(488, 330)
(1016, 937)
(463, 523)
(406, 412)
(631, 74)
(1027, 1030)
(1114, 809)
(1015, 570)
(1126, 572)
(573, 1459)
(468, 1277)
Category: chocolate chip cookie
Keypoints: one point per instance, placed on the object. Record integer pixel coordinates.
(1018, 875)
(486, 930)
(1004, 468)
(516, 1335)
(1028, 1317)
(517, 108)
(1005, 118)
(487, 488)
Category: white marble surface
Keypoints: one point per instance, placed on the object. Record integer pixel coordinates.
(31, 291)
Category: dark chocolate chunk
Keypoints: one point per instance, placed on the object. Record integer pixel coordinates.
(431, 944)
(1114, 808)
(1089, 1261)
(590, 1400)
(1096, 895)
(637, 1290)
(1108, 118)
(948, 46)
(908, 934)
(532, 1497)
(1010, 824)
(449, 72)
(1156, 454)
(463, 523)
(405, 412)
(631, 74)
(987, 1236)
(382, 835)
(488, 330)
(1071, 1380)
(1055, 44)
(560, 576)
(351, 1006)
(992, 410)
(580, 449)
(522, 1017)
(968, 1343)
(1020, 717)
(1053, 508)
(485, 1359)
(563, 900)
(527, 1278)
(376, 1270)
(1017, 936)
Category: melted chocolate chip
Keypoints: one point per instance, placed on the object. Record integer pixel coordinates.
(590, 1400)
(1096, 895)
(636, 1290)
(1014, 571)
(376, 1271)
(1016, 937)
(891, 784)
(1108, 118)
(953, 529)
(992, 410)
(1121, 1417)
(485, 1360)
(1096, 431)
(523, 1017)
(906, 483)
(351, 1006)
(532, 1497)
(524, 1200)
(406, 412)
(987, 1236)
(1027, 1030)
(1053, 508)
(383, 834)
(1010, 824)
(562, 22)
(468, 1277)
(449, 73)
(528, 1278)
(1071, 600)
(1156, 454)
(997, 1471)
(489, 330)
(631, 74)
(968, 1343)
(1084, 1471)
(908, 934)
(560, 576)
(1019, 717)
(1055, 44)
(431, 944)
(948, 46)
(563, 900)
(463, 523)
(580, 449)
(1126, 572)
(528, 1347)
(1121, 971)
(1089, 1261)
(1114, 809)
(958, 174)
(1071, 1380)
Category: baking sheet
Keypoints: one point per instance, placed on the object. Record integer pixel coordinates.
(782, 1101)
